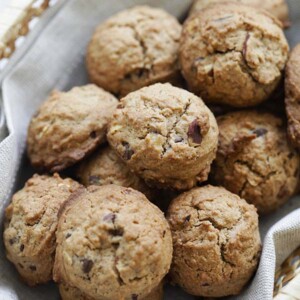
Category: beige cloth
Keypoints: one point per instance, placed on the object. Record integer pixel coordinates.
(56, 60)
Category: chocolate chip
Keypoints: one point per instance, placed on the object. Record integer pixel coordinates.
(32, 268)
(260, 131)
(116, 231)
(87, 265)
(134, 297)
(94, 179)
(93, 134)
(21, 247)
(111, 217)
(12, 241)
(178, 139)
(194, 132)
(164, 233)
(128, 152)
(68, 235)
(244, 51)
(187, 218)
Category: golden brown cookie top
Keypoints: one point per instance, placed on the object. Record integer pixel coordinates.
(30, 225)
(165, 134)
(255, 160)
(233, 54)
(112, 243)
(216, 241)
(68, 126)
(105, 167)
(278, 8)
(292, 91)
(134, 48)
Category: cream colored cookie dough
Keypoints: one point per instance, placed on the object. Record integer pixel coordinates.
(134, 48)
(278, 8)
(112, 243)
(68, 126)
(216, 242)
(166, 135)
(255, 160)
(233, 54)
(30, 225)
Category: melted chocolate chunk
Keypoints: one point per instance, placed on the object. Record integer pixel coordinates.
(111, 217)
(93, 179)
(32, 268)
(22, 247)
(87, 265)
(116, 231)
(134, 297)
(12, 241)
(68, 235)
(128, 152)
(187, 218)
(260, 132)
(93, 134)
(194, 132)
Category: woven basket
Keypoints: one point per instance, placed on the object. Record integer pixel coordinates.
(15, 22)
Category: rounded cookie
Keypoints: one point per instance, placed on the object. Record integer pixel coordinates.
(216, 242)
(68, 126)
(292, 100)
(278, 8)
(105, 167)
(254, 159)
(30, 225)
(134, 48)
(70, 293)
(166, 135)
(112, 243)
(233, 54)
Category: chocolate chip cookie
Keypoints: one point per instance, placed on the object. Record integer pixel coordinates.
(135, 48)
(72, 293)
(233, 54)
(105, 167)
(166, 135)
(216, 242)
(30, 225)
(254, 159)
(68, 126)
(112, 243)
(292, 100)
(278, 8)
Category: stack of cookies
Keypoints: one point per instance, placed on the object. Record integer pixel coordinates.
(137, 177)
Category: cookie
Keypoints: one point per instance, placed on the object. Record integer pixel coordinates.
(134, 48)
(166, 135)
(105, 167)
(278, 8)
(292, 92)
(70, 293)
(68, 126)
(216, 242)
(112, 243)
(233, 54)
(30, 225)
(254, 159)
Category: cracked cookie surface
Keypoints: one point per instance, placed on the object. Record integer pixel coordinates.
(292, 100)
(233, 54)
(112, 243)
(166, 135)
(105, 167)
(72, 293)
(255, 160)
(278, 8)
(216, 241)
(68, 126)
(135, 48)
(30, 225)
